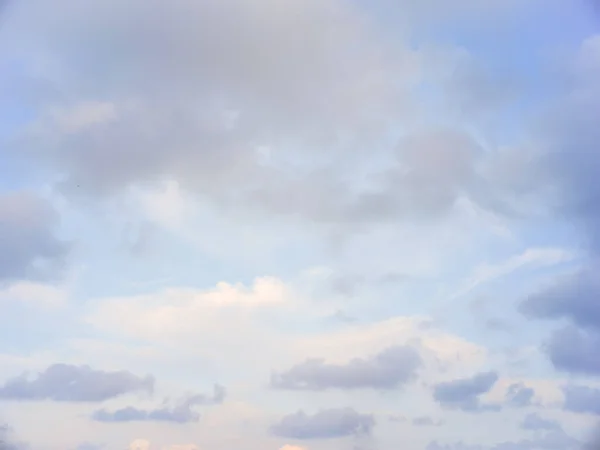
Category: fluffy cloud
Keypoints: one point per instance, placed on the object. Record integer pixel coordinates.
(389, 369)
(574, 298)
(359, 354)
(180, 413)
(570, 162)
(464, 393)
(427, 421)
(239, 79)
(68, 383)
(582, 399)
(178, 314)
(341, 90)
(29, 248)
(139, 444)
(535, 422)
(519, 395)
(329, 423)
(571, 297)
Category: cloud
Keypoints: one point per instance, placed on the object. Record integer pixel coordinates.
(574, 350)
(325, 424)
(180, 413)
(464, 393)
(292, 447)
(8, 441)
(535, 422)
(582, 399)
(519, 395)
(69, 383)
(341, 90)
(30, 249)
(177, 312)
(89, 446)
(389, 369)
(571, 297)
(555, 440)
(224, 91)
(427, 421)
(139, 444)
(34, 293)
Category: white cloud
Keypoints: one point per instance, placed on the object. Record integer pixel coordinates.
(167, 205)
(213, 323)
(35, 293)
(139, 444)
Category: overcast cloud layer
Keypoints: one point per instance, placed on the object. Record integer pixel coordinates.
(299, 224)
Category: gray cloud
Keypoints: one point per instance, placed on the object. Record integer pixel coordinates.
(238, 78)
(574, 350)
(572, 297)
(8, 441)
(325, 424)
(389, 369)
(464, 393)
(582, 399)
(427, 421)
(180, 413)
(519, 395)
(570, 140)
(29, 248)
(535, 422)
(69, 383)
(555, 440)
(225, 99)
(567, 168)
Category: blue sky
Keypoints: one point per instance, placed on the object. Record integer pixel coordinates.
(299, 224)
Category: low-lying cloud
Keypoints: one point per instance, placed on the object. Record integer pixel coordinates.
(389, 369)
(70, 383)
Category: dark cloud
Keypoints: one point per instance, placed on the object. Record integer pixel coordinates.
(68, 383)
(464, 393)
(427, 421)
(519, 395)
(535, 422)
(552, 440)
(582, 399)
(555, 440)
(29, 248)
(325, 424)
(574, 350)
(572, 297)
(180, 413)
(571, 144)
(568, 164)
(390, 369)
(8, 441)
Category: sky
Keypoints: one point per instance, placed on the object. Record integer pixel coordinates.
(299, 224)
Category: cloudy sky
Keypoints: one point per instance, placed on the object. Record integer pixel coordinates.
(299, 224)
